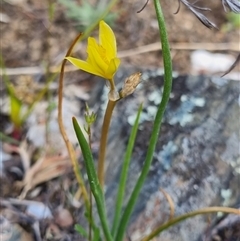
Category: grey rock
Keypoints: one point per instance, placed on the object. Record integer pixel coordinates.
(196, 157)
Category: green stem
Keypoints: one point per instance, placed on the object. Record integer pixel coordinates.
(90, 193)
(181, 218)
(93, 180)
(157, 122)
(103, 141)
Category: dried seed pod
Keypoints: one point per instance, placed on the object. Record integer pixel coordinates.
(130, 84)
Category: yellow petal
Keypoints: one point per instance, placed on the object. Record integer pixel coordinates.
(85, 66)
(95, 57)
(107, 40)
(112, 68)
(102, 60)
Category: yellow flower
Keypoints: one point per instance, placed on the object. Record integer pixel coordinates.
(102, 58)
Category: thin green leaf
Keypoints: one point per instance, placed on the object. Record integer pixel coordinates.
(81, 230)
(15, 103)
(8, 139)
(124, 173)
(15, 110)
(157, 122)
(96, 234)
(93, 179)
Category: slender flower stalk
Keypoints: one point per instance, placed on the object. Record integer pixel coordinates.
(128, 88)
(68, 144)
(103, 141)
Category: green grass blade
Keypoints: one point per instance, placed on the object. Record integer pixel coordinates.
(8, 139)
(93, 179)
(96, 234)
(15, 111)
(15, 103)
(157, 122)
(124, 173)
(81, 230)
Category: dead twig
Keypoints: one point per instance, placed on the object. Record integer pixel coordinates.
(232, 66)
(181, 46)
(170, 202)
(139, 11)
